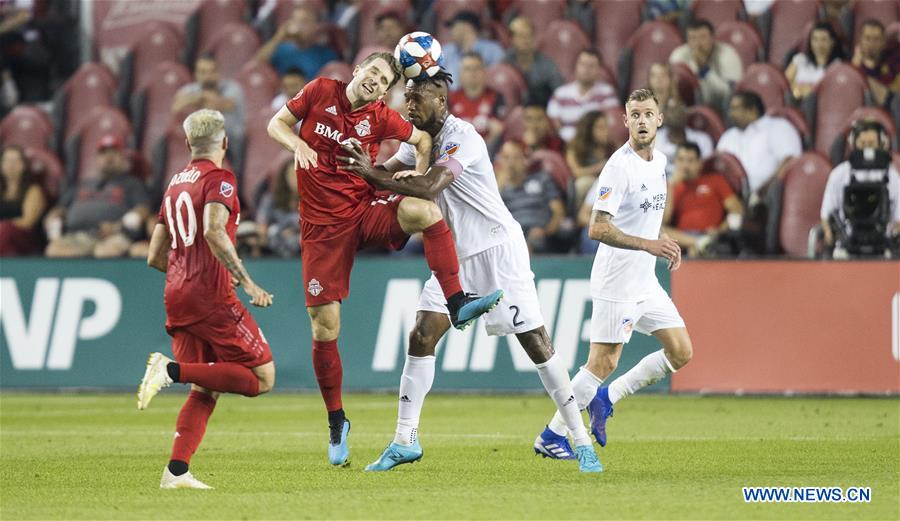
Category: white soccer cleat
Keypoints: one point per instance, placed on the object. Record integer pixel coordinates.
(186, 480)
(156, 378)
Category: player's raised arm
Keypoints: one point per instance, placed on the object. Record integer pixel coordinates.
(424, 186)
(158, 252)
(280, 129)
(422, 141)
(602, 229)
(215, 217)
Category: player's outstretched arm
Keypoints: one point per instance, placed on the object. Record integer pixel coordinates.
(215, 217)
(158, 251)
(602, 229)
(280, 129)
(424, 186)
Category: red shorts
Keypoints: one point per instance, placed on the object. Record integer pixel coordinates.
(229, 334)
(327, 251)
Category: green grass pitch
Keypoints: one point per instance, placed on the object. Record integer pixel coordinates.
(87, 456)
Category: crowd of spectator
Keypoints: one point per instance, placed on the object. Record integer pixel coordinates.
(731, 145)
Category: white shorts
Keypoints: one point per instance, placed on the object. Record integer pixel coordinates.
(613, 322)
(505, 266)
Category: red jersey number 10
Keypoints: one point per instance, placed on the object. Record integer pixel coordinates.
(187, 232)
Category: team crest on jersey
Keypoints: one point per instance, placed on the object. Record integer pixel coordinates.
(450, 149)
(627, 325)
(226, 189)
(363, 128)
(604, 192)
(314, 288)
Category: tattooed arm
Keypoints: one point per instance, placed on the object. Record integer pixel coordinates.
(215, 216)
(602, 229)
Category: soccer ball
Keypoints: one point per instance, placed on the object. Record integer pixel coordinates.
(420, 55)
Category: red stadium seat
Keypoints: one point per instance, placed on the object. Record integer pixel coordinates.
(234, 46)
(688, 84)
(842, 90)
(839, 149)
(767, 81)
(514, 124)
(744, 38)
(81, 147)
(718, 12)
(615, 120)
(508, 81)
(92, 85)
(885, 11)
(554, 164)
(652, 43)
(208, 20)
(707, 120)
(260, 84)
(795, 117)
(561, 41)
(730, 167)
(366, 51)
(337, 70)
(48, 169)
(159, 42)
(541, 13)
(780, 23)
(151, 104)
(26, 126)
(804, 186)
(259, 150)
(615, 22)
(274, 168)
(892, 34)
(445, 10)
(370, 10)
(170, 156)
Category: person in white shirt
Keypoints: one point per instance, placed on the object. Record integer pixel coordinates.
(492, 253)
(627, 219)
(573, 100)
(716, 64)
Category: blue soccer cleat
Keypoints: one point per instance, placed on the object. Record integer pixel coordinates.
(396, 454)
(551, 445)
(587, 459)
(339, 453)
(473, 308)
(599, 410)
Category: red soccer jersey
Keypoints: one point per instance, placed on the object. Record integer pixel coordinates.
(327, 195)
(195, 280)
(478, 111)
(700, 204)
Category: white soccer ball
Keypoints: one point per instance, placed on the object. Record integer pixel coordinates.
(420, 55)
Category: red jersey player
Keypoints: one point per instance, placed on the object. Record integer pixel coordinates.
(217, 345)
(340, 213)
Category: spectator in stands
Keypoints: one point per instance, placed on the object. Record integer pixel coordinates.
(588, 92)
(662, 82)
(881, 67)
(541, 74)
(476, 103)
(823, 46)
(587, 152)
(675, 132)
(665, 10)
(23, 52)
(697, 204)
(716, 64)
(102, 213)
(209, 91)
(296, 44)
(277, 217)
(538, 132)
(292, 82)
(465, 28)
(582, 13)
(22, 204)
(532, 197)
(389, 28)
(869, 162)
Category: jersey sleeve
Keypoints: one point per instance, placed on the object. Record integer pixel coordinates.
(221, 187)
(613, 185)
(461, 150)
(307, 97)
(406, 154)
(394, 126)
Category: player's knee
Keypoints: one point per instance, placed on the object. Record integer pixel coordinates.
(266, 384)
(422, 343)
(417, 214)
(265, 375)
(680, 353)
(325, 325)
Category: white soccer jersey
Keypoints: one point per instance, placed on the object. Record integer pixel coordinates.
(633, 191)
(471, 205)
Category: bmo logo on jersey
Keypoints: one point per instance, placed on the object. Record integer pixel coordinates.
(57, 306)
(324, 130)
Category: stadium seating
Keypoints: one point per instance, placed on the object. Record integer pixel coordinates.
(779, 27)
(92, 85)
(513, 124)
(744, 38)
(26, 126)
(652, 43)
(801, 198)
(615, 22)
(337, 70)
(541, 13)
(839, 147)
(841, 91)
(159, 42)
(718, 12)
(258, 152)
(49, 171)
(618, 133)
(367, 50)
(170, 156)
(688, 84)
(795, 117)
(445, 10)
(768, 82)
(508, 81)
(730, 167)
(208, 21)
(260, 84)
(707, 120)
(561, 41)
(554, 164)
(885, 11)
(370, 10)
(81, 147)
(234, 46)
(151, 104)
(284, 8)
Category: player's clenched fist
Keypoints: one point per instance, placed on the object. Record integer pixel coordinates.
(258, 296)
(305, 157)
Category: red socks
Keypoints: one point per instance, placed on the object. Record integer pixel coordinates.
(225, 377)
(440, 253)
(329, 372)
(191, 425)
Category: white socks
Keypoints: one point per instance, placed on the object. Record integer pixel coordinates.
(651, 369)
(555, 378)
(584, 385)
(418, 375)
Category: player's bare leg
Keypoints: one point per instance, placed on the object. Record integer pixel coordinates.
(326, 327)
(418, 215)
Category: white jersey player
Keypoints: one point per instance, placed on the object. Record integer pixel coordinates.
(492, 253)
(626, 294)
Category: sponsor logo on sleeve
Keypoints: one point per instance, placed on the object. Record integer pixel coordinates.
(226, 189)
